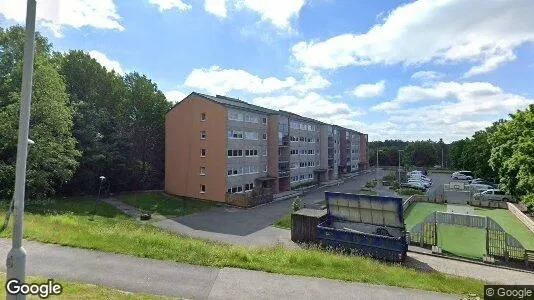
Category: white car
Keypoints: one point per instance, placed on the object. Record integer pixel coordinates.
(479, 187)
(462, 175)
(416, 185)
(494, 194)
(423, 177)
(420, 181)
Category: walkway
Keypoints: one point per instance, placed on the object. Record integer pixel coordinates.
(167, 278)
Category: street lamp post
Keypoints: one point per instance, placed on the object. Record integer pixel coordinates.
(399, 170)
(16, 258)
(102, 178)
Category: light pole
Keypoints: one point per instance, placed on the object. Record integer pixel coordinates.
(399, 170)
(102, 178)
(376, 173)
(16, 258)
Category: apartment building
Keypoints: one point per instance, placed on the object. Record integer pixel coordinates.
(220, 148)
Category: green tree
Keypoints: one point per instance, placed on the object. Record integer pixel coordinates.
(512, 153)
(53, 158)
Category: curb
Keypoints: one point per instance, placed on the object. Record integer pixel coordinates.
(472, 262)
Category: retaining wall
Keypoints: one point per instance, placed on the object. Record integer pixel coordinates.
(521, 216)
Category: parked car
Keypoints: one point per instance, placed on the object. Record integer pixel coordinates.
(415, 185)
(479, 187)
(494, 194)
(482, 181)
(420, 176)
(462, 175)
(422, 182)
(422, 170)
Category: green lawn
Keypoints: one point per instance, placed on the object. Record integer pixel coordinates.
(72, 290)
(284, 222)
(455, 237)
(157, 202)
(69, 222)
(366, 191)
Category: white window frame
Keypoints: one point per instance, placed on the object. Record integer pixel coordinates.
(203, 134)
(251, 118)
(202, 188)
(239, 116)
(203, 117)
(264, 136)
(251, 135)
(205, 152)
(202, 171)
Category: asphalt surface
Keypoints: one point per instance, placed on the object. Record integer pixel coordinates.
(167, 278)
(243, 222)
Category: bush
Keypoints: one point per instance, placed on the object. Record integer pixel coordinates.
(297, 204)
(390, 177)
(395, 185)
(528, 200)
(409, 192)
(371, 184)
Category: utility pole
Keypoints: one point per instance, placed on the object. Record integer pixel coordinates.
(16, 258)
(442, 157)
(399, 164)
(376, 173)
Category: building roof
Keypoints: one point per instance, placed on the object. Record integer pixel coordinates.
(290, 114)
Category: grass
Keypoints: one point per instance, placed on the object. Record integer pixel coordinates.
(366, 191)
(284, 222)
(69, 222)
(455, 237)
(157, 202)
(72, 290)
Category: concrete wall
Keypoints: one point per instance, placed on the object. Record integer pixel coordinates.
(457, 197)
(521, 216)
(272, 149)
(183, 145)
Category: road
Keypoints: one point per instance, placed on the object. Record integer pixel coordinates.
(167, 278)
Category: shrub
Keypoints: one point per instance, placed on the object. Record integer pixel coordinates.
(297, 204)
(390, 177)
(371, 184)
(395, 185)
(528, 200)
(409, 192)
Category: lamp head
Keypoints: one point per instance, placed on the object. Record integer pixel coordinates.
(102, 178)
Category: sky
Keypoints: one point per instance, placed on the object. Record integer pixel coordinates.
(411, 70)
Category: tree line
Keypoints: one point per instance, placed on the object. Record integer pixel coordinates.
(505, 152)
(418, 153)
(85, 121)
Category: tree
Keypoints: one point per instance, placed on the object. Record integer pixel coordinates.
(512, 153)
(53, 158)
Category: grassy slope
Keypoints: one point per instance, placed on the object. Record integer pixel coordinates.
(462, 241)
(111, 231)
(73, 290)
(504, 217)
(284, 222)
(162, 204)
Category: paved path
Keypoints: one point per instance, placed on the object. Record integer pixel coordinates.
(156, 277)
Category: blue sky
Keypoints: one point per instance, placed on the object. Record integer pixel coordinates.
(394, 69)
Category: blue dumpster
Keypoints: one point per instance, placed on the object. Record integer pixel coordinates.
(370, 225)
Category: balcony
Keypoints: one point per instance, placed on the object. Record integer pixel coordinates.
(284, 173)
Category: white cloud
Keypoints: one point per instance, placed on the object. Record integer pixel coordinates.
(106, 62)
(311, 105)
(479, 32)
(57, 14)
(216, 80)
(164, 5)
(427, 75)
(458, 110)
(216, 7)
(368, 90)
(277, 12)
(175, 96)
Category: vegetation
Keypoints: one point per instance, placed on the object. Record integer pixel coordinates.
(371, 184)
(504, 151)
(284, 222)
(68, 222)
(86, 122)
(297, 204)
(389, 177)
(366, 191)
(157, 202)
(418, 153)
(72, 290)
(409, 192)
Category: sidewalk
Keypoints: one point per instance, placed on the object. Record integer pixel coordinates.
(156, 277)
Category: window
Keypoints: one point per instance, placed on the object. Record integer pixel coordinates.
(202, 170)
(249, 186)
(239, 188)
(264, 168)
(264, 136)
(310, 176)
(302, 177)
(264, 120)
(294, 178)
(251, 152)
(318, 140)
(302, 126)
(235, 134)
(294, 165)
(251, 170)
(202, 152)
(202, 188)
(302, 139)
(302, 164)
(499, 193)
(234, 171)
(234, 116)
(203, 117)
(232, 153)
(302, 151)
(251, 119)
(294, 125)
(251, 135)
(203, 134)
(265, 152)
